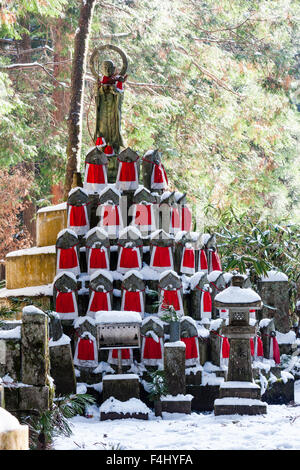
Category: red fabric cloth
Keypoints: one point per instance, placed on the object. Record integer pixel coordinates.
(111, 216)
(191, 351)
(86, 350)
(143, 215)
(171, 297)
(225, 348)
(100, 142)
(99, 301)
(98, 259)
(189, 258)
(129, 258)
(119, 85)
(125, 354)
(132, 301)
(152, 349)
(108, 80)
(215, 261)
(186, 219)
(68, 258)
(77, 216)
(276, 352)
(175, 218)
(95, 173)
(162, 257)
(207, 302)
(252, 346)
(127, 171)
(160, 175)
(260, 348)
(203, 260)
(109, 150)
(64, 302)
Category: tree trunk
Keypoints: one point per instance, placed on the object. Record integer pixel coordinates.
(77, 92)
(60, 95)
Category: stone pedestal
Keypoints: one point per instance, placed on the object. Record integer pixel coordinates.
(174, 367)
(121, 386)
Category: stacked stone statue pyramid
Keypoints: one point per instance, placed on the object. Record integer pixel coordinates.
(123, 250)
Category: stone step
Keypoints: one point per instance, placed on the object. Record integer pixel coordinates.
(239, 390)
(240, 406)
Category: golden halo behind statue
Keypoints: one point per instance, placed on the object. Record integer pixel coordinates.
(110, 47)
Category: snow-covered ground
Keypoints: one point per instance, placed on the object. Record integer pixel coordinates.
(278, 429)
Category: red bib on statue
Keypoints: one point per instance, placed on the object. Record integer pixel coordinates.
(225, 348)
(188, 258)
(98, 258)
(111, 216)
(202, 261)
(99, 302)
(175, 218)
(162, 257)
(127, 171)
(68, 258)
(160, 175)
(206, 301)
(215, 262)
(191, 351)
(129, 258)
(95, 173)
(171, 298)
(132, 301)
(85, 350)
(125, 354)
(152, 349)
(186, 219)
(65, 302)
(260, 349)
(143, 214)
(77, 217)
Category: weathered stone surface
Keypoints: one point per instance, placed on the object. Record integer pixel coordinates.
(121, 386)
(34, 398)
(241, 392)
(10, 358)
(11, 398)
(215, 344)
(276, 294)
(204, 396)
(114, 415)
(255, 407)
(178, 406)
(33, 268)
(279, 393)
(49, 223)
(62, 369)
(174, 367)
(34, 347)
(17, 439)
(55, 326)
(195, 297)
(265, 337)
(193, 379)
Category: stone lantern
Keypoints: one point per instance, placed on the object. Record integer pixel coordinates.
(239, 394)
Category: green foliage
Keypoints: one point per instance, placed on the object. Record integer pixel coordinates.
(249, 243)
(47, 425)
(158, 387)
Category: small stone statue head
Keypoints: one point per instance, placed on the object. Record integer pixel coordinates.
(108, 68)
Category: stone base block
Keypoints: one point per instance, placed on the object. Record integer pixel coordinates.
(193, 379)
(27, 398)
(240, 390)
(114, 415)
(240, 406)
(172, 406)
(279, 393)
(204, 396)
(121, 386)
(17, 439)
(34, 398)
(30, 267)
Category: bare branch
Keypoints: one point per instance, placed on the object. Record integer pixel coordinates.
(31, 65)
(210, 74)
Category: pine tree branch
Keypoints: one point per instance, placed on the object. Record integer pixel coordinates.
(31, 65)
